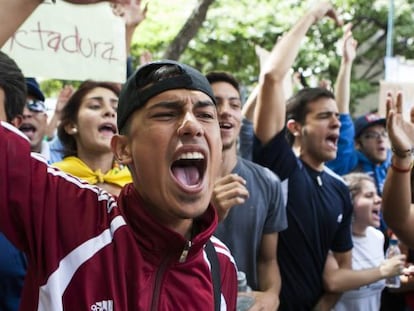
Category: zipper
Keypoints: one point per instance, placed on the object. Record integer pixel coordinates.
(157, 283)
(185, 252)
(160, 273)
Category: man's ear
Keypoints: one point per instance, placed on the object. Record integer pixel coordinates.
(122, 149)
(17, 121)
(294, 127)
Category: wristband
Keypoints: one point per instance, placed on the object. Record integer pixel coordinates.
(401, 170)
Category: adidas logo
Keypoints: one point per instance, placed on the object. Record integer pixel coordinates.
(104, 305)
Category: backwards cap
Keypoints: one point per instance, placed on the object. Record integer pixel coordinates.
(134, 96)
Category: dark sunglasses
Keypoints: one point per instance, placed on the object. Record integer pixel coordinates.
(36, 105)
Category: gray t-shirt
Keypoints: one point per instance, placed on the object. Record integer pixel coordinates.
(264, 212)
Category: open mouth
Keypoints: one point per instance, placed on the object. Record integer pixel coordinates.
(108, 128)
(225, 125)
(189, 168)
(376, 212)
(332, 140)
(27, 128)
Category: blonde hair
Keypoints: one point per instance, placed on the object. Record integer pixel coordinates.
(354, 182)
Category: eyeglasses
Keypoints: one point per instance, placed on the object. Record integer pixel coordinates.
(375, 135)
(36, 105)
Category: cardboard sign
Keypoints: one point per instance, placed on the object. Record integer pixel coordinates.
(399, 69)
(407, 89)
(71, 42)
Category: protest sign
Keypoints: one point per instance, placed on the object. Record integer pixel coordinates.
(71, 42)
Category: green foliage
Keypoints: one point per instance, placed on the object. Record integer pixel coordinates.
(51, 88)
(233, 27)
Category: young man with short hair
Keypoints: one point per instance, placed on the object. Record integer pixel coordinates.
(147, 249)
(319, 208)
(249, 199)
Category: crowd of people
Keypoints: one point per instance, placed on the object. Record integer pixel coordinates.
(155, 194)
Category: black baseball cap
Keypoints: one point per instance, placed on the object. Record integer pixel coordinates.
(134, 96)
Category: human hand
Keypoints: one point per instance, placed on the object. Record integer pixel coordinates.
(63, 97)
(409, 270)
(392, 266)
(131, 12)
(326, 84)
(228, 191)
(325, 8)
(400, 132)
(349, 44)
(264, 301)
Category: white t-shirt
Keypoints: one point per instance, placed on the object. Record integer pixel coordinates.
(367, 253)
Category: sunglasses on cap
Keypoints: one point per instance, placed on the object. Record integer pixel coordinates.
(36, 105)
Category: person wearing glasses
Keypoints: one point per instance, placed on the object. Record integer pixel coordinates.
(364, 147)
(34, 122)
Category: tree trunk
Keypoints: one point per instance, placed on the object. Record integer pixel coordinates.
(188, 31)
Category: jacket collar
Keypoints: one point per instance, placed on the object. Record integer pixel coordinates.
(155, 238)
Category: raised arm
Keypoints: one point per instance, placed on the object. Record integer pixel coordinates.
(250, 104)
(63, 97)
(246, 136)
(133, 15)
(398, 210)
(270, 107)
(12, 14)
(346, 156)
(343, 81)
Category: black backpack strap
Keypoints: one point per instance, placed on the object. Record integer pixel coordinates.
(215, 273)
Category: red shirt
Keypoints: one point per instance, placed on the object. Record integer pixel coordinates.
(88, 251)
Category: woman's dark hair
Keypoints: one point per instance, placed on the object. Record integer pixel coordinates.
(298, 105)
(70, 112)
